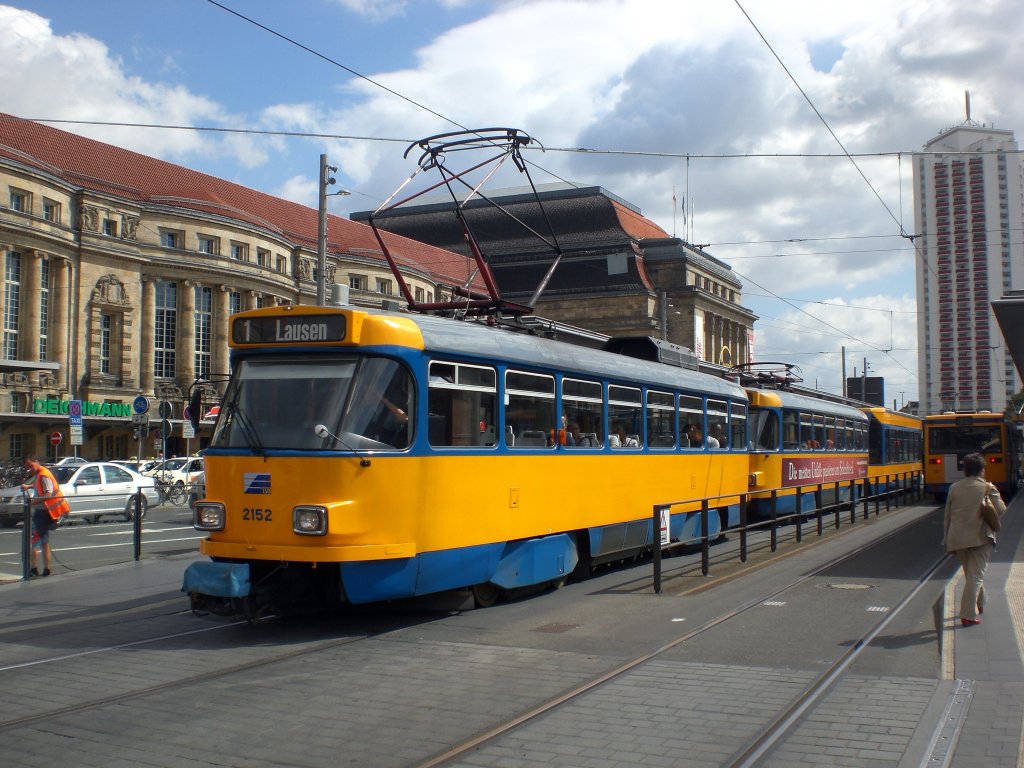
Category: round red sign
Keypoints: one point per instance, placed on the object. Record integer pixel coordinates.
(55, 438)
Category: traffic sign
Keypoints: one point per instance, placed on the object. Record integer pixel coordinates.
(140, 404)
(140, 418)
(157, 435)
(165, 409)
(75, 413)
(56, 438)
(165, 427)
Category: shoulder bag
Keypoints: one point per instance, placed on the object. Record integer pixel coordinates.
(989, 513)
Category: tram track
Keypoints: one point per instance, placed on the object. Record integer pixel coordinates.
(761, 744)
(212, 662)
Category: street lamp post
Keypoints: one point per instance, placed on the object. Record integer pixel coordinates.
(321, 233)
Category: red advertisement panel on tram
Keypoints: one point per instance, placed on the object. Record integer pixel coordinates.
(823, 469)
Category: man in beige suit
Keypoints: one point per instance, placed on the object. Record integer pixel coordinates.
(967, 536)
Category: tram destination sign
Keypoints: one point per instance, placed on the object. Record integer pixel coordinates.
(291, 329)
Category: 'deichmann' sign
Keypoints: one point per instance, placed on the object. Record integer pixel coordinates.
(89, 408)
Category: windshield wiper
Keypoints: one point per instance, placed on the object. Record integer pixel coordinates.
(252, 436)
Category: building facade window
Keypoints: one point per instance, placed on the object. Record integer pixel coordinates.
(282, 264)
(384, 286)
(44, 308)
(209, 245)
(234, 302)
(21, 201)
(110, 227)
(263, 258)
(357, 282)
(51, 210)
(16, 445)
(204, 331)
(165, 330)
(12, 304)
(171, 238)
(239, 251)
(106, 331)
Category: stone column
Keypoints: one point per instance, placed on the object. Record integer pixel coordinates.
(147, 328)
(249, 300)
(186, 348)
(221, 329)
(30, 285)
(60, 319)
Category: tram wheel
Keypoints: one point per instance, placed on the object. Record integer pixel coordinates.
(485, 595)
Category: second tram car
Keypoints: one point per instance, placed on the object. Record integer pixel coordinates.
(894, 449)
(363, 456)
(798, 441)
(948, 437)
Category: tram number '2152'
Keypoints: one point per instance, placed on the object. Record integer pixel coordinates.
(261, 515)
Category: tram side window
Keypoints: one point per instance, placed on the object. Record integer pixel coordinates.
(765, 424)
(625, 417)
(862, 436)
(819, 432)
(876, 435)
(718, 424)
(738, 425)
(461, 405)
(790, 430)
(583, 406)
(806, 431)
(661, 422)
(841, 434)
(529, 409)
(830, 432)
(691, 422)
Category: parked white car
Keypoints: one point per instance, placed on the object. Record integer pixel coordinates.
(179, 471)
(93, 490)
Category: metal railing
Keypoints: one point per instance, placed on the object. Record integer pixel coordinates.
(889, 489)
(188, 494)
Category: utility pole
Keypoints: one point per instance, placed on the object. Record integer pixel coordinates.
(321, 234)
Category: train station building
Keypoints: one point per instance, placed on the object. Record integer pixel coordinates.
(120, 272)
(620, 273)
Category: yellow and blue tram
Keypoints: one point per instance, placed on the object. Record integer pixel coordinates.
(799, 441)
(948, 437)
(894, 449)
(364, 455)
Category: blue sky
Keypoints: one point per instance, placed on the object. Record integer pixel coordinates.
(643, 82)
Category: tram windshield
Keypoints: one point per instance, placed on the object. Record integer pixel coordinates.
(279, 403)
(963, 440)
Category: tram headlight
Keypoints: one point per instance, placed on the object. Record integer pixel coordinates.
(208, 516)
(309, 521)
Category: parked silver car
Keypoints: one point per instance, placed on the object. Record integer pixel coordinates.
(93, 490)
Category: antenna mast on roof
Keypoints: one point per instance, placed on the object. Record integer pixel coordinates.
(502, 144)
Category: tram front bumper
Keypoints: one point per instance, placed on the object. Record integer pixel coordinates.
(217, 579)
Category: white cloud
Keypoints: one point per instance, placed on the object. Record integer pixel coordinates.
(76, 77)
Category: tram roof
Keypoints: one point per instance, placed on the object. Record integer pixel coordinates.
(809, 403)
(474, 339)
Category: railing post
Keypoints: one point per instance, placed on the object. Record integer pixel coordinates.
(26, 535)
(137, 525)
(705, 554)
(853, 502)
(798, 518)
(656, 528)
(819, 503)
(775, 520)
(887, 491)
(743, 527)
(836, 501)
(865, 495)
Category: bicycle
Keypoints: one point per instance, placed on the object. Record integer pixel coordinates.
(173, 492)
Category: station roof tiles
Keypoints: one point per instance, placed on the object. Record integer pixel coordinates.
(148, 181)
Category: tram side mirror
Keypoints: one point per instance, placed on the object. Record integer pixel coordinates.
(195, 407)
